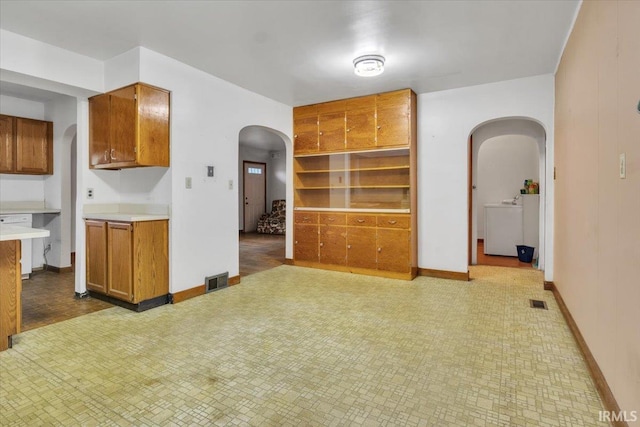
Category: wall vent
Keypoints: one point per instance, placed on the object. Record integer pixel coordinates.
(536, 303)
(214, 283)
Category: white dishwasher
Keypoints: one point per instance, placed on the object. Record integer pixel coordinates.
(24, 220)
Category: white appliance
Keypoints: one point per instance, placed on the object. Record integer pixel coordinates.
(503, 229)
(24, 220)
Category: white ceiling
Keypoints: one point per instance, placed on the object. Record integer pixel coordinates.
(301, 52)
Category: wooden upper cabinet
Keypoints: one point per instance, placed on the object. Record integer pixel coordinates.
(7, 152)
(99, 135)
(393, 118)
(305, 129)
(129, 127)
(122, 125)
(361, 122)
(34, 146)
(331, 126)
(26, 146)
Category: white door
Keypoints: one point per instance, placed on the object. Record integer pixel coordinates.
(255, 187)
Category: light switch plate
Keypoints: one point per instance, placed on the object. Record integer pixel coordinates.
(187, 182)
(210, 171)
(623, 166)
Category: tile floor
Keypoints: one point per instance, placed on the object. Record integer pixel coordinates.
(295, 346)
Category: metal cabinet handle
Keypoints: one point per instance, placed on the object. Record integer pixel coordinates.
(348, 130)
(111, 154)
(321, 244)
(305, 218)
(331, 218)
(296, 242)
(379, 249)
(378, 127)
(348, 246)
(320, 133)
(106, 155)
(295, 136)
(392, 221)
(360, 220)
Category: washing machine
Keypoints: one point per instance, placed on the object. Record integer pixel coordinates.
(503, 229)
(24, 220)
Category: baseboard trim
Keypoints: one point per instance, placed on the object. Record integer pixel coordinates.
(187, 294)
(600, 381)
(235, 280)
(139, 307)
(288, 261)
(357, 270)
(444, 274)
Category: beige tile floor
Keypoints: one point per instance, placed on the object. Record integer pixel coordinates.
(294, 346)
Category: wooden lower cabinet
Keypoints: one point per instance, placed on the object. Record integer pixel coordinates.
(10, 289)
(128, 261)
(361, 247)
(360, 243)
(394, 246)
(306, 242)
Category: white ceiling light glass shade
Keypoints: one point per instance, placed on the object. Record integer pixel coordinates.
(369, 65)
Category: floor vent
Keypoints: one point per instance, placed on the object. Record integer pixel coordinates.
(214, 283)
(536, 303)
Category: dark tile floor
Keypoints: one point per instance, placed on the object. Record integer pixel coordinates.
(259, 252)
(49, 297)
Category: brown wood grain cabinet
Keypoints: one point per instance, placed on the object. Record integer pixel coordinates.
(128, 261)
(129, 127)
(10, 289)
(26, 146)
(355, 185)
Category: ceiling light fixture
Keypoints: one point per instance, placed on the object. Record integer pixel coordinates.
(368, 65)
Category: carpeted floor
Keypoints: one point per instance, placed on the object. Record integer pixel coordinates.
(295, 346)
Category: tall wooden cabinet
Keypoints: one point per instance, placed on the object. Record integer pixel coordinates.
(129, 127)
(26, 146)
(128, 261)
(355, 185)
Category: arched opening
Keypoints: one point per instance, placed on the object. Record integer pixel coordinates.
(262, 198)
(503, 153)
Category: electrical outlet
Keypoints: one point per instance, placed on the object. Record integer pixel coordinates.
(89, 193)
(210, 171)
(187, 182)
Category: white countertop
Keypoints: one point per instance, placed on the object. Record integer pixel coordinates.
(15, 232)
(123, 216)
(16, 211)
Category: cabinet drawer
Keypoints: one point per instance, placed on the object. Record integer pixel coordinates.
(333, 219)
(361, 220)
(394, 221)
(305, 217)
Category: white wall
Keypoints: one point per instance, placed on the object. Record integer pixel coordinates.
(206, 117)
(445, 121)
(277, 176)
(504, 162)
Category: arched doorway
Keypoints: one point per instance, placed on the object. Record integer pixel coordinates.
(262, 194)
(497, 133)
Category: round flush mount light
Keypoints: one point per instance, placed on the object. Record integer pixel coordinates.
(368, 65)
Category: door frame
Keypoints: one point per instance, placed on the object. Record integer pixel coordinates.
(244, 188)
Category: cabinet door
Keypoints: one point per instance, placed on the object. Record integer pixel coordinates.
(393, 118)
(394, 247)
(34, 146)
(305, 246)
(96, 256)
(333, 244)
(99, 145)
(305, 129)
(331, 126)
(361, 123)
(122, 125)
(153, 122)
(120, 257)
(7, 133)
(361, 247)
